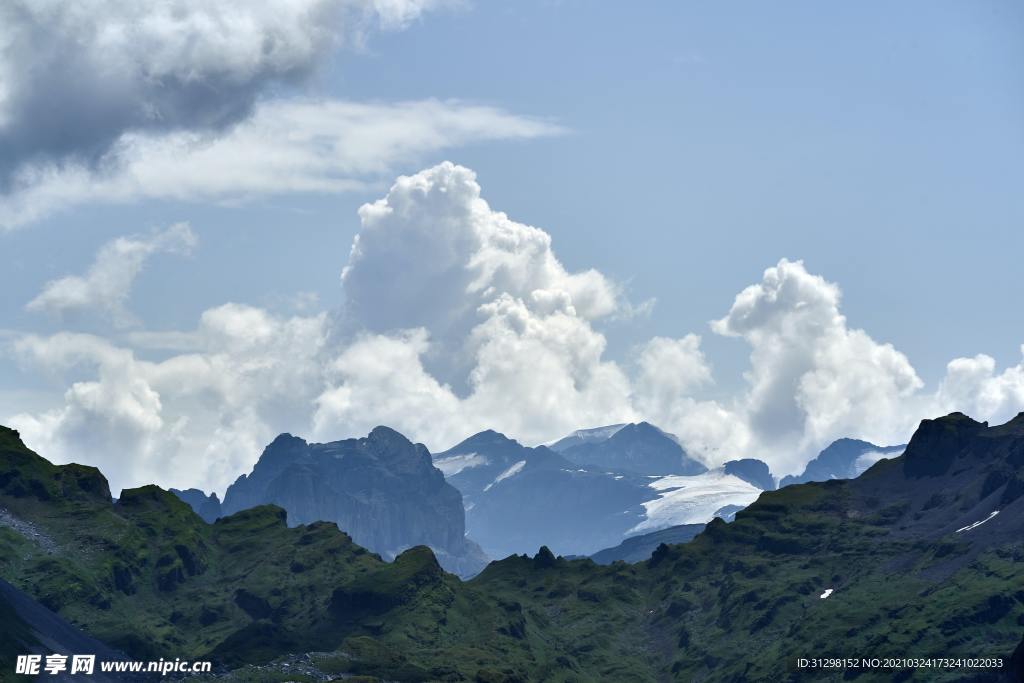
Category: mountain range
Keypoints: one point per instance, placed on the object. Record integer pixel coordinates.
(589, 490)
(919, 555)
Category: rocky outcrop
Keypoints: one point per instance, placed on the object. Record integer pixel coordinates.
(382, 490)
(752, 471)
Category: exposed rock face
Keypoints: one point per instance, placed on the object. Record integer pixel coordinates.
(206, 506)
(639, 448)
(842, 459)
(382, 490)
(753, 471)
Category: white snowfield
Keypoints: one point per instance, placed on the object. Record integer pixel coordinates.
(828, 592)
(978, 523)
(454, 464)
(694, 500)
(510, 472)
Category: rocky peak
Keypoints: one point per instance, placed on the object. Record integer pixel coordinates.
(753, 471)
(937, 442)
(381, 489)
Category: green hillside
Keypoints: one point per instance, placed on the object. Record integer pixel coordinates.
(741, 602)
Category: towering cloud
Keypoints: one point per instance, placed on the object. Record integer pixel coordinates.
(811, 376)
(483, 304)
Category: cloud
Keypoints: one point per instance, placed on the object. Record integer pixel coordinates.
(455, 318)
(105, 287)
(399, 14)
(497, 318)
(515, 324)
(972, 386)
(812, 378)
(380, 380)
(77, 76)
(433, 254)
(285, 147)
(194, 418)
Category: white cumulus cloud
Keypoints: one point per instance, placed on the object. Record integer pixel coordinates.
(194, 418)
(972, 386)
(812, 377)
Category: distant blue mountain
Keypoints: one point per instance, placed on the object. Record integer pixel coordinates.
(206, 506)
(519, 498)
(843, 459)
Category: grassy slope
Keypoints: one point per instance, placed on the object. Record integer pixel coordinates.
(740, 602)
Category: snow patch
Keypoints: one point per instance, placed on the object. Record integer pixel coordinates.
(978, 523)
(453, 464)
(510, 472)
(828, 592)
(693, 500)
(598, 433)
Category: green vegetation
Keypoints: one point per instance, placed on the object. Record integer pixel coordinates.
(740, 602)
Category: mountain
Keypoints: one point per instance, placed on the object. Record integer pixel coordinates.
(519, 498)
(919, 556)
(206, 506)
(639, 448)
(842, 459)
(640, 548)
(382, 490)
(752, 471)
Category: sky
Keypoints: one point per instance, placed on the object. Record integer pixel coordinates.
(759, 227)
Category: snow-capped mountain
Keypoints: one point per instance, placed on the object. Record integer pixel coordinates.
(629, 479)
(640, 448)
(518, 498)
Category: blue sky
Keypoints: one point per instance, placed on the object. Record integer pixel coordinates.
(679, 149)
